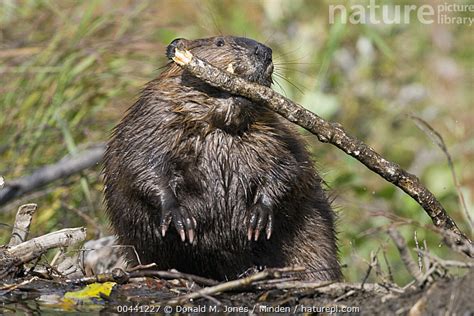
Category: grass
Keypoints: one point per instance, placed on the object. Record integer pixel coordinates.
(69, 70)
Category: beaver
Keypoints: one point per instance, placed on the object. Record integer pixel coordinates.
(230, 176)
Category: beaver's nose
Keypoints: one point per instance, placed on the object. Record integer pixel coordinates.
(263, 52)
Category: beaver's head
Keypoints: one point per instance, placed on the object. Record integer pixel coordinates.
(244, 57)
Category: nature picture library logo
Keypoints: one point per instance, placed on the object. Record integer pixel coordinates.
(374, 12)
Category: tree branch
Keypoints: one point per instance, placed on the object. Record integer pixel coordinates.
(21, 228)
(66, 167)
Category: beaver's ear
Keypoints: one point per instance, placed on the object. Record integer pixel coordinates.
(172, 46)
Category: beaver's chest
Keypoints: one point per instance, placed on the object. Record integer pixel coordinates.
(222, 177)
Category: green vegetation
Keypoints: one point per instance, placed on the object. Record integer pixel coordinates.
(70, 69)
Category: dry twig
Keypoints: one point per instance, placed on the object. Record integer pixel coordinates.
(21, 228)
(445, 263)
(29, 250)
(32, 248)
(329, 287)
(7, 288)
(235, 284)
(120, 276)
(405, 254)
(41, 177)
(438, 140)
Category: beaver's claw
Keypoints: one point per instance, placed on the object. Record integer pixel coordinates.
(183, 221)
(261, 217)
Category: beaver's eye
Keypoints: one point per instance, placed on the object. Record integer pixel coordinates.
(220, 42)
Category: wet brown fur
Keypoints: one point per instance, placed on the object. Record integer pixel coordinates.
(221, 157)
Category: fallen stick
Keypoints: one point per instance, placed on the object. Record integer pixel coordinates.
(329, 287)
(21, 228)
(66, 167)
(446, 263)
(235, 284)
(120, 276)
(405, 254)
(326, 132)
(29, 250)
(11, 287)
(32, 248)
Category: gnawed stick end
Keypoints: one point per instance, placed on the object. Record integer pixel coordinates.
(182, 57)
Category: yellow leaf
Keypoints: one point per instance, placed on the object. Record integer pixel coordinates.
(91, 291)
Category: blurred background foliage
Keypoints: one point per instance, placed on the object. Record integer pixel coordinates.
(70, 69)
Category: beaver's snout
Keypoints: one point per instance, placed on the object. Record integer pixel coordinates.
(258, 64)
(264, 55)
(261, 52)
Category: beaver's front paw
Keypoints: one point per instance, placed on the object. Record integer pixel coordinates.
(183, 221)
(261, 217)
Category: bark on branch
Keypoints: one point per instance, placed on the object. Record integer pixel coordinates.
(21, 228)
(405, 254)
(32, 248)
(326, 132)
(13, 257)
(66, 167)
